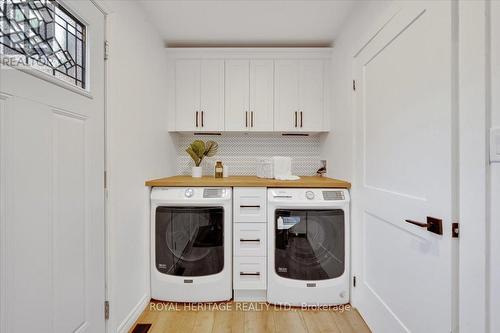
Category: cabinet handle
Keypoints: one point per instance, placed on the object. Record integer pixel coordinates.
(196, 119)
(249, 206)
(202, 118)
(246, 118)
(301, 119)
(251, 118)
(250, 240)
(295, 118)
(250, 273)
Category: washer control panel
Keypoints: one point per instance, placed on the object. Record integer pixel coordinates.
(188, 193)
(309, 195)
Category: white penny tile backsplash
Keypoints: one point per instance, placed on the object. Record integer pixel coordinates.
(241, 152)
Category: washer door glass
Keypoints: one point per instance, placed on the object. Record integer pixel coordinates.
(189, 240)
(309, 244)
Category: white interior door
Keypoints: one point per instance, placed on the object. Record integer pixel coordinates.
(404, 152)
(212, 95)
(52, 195)
(187, 95)
(237, 95)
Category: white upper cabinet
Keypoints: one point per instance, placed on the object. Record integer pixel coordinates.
(187, 94)
(286, 95)
(237, 95)
(249, 95)
(248, 90)
(261, 95)
(311, 95)
(300, 95)
(199, 95)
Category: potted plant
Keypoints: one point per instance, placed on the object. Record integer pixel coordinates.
(198, 150)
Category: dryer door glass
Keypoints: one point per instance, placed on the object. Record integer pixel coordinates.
(189, 240)
(309, 244)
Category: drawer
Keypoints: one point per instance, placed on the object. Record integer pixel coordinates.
(250, 239)
(249, 204)
(249, 273)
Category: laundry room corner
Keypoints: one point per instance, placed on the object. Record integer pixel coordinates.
(253, 166)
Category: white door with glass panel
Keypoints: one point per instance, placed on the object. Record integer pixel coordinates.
(404, 179)
(52, 166)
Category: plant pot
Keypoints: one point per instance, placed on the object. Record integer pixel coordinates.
(197, 172)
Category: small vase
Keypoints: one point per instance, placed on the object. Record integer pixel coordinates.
(197, 172)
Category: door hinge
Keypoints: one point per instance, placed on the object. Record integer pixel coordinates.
(354, 85)
(106, 50)
(455, 230)
(354, 281)
(106, 310)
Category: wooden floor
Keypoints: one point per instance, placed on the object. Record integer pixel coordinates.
(249, 317)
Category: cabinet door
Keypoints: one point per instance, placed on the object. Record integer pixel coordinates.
(237, 95)
(261, 95)
(212, 95)
(286, 94)
(311, 95)
(187, 94)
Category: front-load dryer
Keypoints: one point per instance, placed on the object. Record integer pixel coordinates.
(191, 244)
(308, 242)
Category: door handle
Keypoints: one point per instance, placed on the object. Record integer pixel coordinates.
(246, 118)
(250, 273)
(295, 118)
(433, 224)
(251, 118)
(202, 118)
(301, 119)
(196, 117)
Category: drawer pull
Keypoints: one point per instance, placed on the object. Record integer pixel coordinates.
(249, 206)
(250, 273)
(250, 240)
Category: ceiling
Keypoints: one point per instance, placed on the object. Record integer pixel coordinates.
(248, 22)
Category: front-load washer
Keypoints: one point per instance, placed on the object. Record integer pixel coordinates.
(191, 244)
(308, 242)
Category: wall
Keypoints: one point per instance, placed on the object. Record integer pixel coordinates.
(338, 147)
(139, 148)
(241, 152)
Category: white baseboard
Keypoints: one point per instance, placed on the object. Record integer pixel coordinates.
(132, 317)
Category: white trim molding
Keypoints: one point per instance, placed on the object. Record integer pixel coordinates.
(245, 53)
(132, 317)
(473, 164)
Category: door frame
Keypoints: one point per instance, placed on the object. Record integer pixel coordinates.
(474, 104)
(472, 96)
(106, 11)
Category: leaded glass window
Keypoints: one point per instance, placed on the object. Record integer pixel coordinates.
(43, 35)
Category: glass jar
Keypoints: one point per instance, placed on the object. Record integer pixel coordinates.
(219, 169)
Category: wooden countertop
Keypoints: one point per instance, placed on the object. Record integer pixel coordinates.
(248, 181)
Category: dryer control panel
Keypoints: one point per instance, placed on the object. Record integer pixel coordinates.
(309, 195)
